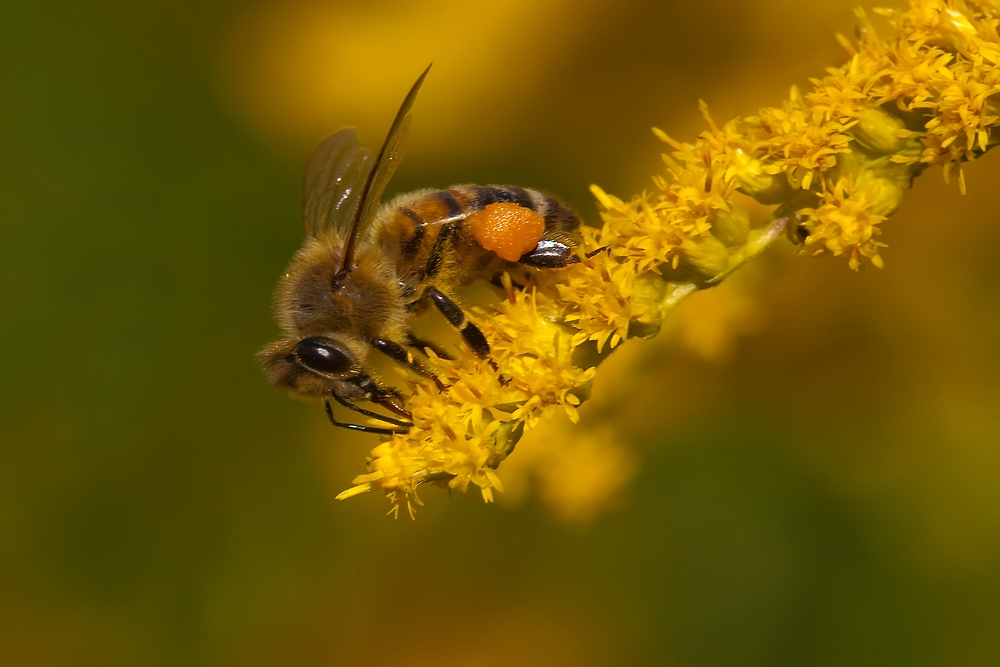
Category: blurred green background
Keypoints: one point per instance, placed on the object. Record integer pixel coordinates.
(826, 492)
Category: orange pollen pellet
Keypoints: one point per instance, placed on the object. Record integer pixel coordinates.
(507, 229)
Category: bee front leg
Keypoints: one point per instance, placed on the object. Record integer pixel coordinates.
(361, 427)
(387, 397)
(453, 313)
(368, 413)
(398, 353)
(423, 345)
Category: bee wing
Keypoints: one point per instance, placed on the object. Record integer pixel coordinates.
(384, 167)
(335, 178)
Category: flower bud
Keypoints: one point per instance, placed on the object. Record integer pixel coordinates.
(649, 292)
(757, 183)
(507, 436)
(885, 196)
(877, 131)
(732, 226)
(705, 255)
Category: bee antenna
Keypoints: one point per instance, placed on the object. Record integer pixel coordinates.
(397, 125)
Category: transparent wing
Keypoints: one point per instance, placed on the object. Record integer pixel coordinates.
(335, 178)
(383, 169)
(390, 157)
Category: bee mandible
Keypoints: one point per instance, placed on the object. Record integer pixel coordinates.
(365, 270)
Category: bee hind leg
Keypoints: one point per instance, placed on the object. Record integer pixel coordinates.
(549, 254)
(453, 313)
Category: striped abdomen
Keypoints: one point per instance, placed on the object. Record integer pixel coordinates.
(427, 231)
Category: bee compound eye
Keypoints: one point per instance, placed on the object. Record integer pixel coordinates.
(323, 356)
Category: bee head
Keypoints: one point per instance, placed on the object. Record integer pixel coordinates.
(314, 366)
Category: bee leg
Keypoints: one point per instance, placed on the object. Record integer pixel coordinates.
(549, 254)
(551, 261)
(387, 398)
(421, 343)
(369, 413)
(391, 403)
(436, 259)
(398, 353)
(358, 427)
(453, 313)
(497, 282)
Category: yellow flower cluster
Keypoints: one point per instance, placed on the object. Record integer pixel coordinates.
(832, 163)
(461, 435)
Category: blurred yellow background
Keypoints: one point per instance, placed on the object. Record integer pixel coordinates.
(804, 468)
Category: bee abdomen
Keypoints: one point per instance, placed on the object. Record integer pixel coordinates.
(426, 224)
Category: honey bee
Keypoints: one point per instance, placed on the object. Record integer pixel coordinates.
(365, 270)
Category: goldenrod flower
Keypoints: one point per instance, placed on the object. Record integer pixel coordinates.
(833, 163)
(844, 223)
